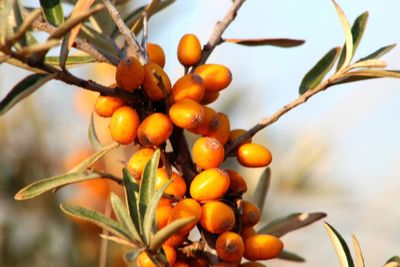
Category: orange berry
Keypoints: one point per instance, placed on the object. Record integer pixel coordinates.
(143, 260)
(155, 129)
(186, 208)
(151, 86)
(130, 74)
(186, 113)
(138, 161)
(230, 247)
(237, 184)
(250, 214)
(262, 247)
(222, 131)
(170, 254)
(209, 123)
(178, 186)
(209, 97)
(124, 124)
(156, 54)
(175, 240)
(163, 211)
(208, 153)
(216, 77)
(105, 106)
(210, 184)
(189, 50)
(190, 86)
(217, 217)
(234, 134)
(247, 231)
(253, 155)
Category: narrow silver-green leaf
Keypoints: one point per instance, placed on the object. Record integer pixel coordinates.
(131, 190)
(81, 167)
(96, 218)
(71, 60)
(369, 63)
(14, 22)
(23, 89)
(132, 255)
(260, 194)
(284, 225)
(92, 135)
(44, 185)
(315, 76)
(358, 253)
(118, 240)
(342, 250)
(161, 236)
(280, 42)
(374, 73)
(53, 11)
(290, 256)
(379, 53)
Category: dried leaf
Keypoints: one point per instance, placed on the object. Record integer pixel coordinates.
(53, 11)
(342, 250)
(281, 42)
(262, 187)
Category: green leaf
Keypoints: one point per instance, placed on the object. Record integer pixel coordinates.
(44, 185)
(53, 11)
(342, 250)
(357, 31)
(290, 256)
(379, 53)
(347, 34)
(131, 190)
(315, 76)
(393, 262)
(23, 89)
(96, 218)
(71, 60)
(93, 138)
(81, 167)
(374, 73)
(369, 63)
(123, 217)
(262, 187)
(161, 236)
(118, 240)
(284, 225)
(358, 252)
(281, 42)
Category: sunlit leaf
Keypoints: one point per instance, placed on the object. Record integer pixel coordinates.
(53, 11)
(131, 190)
(379, 53)
(26, 25)
(281, 42)
(23, 89)
(315, 76)
(374, 73)
(358, 253)
(44, 185)
(260, 194)
(80, 6)
(71, 60)
(290, 256)
(93, 138)
(284, 225)
(5, 8)
(393, 262)
(39, 48)
(370, 63)
(342, 250)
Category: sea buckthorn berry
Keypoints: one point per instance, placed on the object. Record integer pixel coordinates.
(143, 260)
(186, 113)
(163, 212)
(190, 86)
(178, 186)
(189, 50)
(186, 208)
(130, 74)
(175, 240)
(208, 153)
(236, 133)
(124, 124)
(247, 231)
(155, 129)
(262, 247)
(237, 184)
(156, 54)
(138, 161)
(210, 184)
(253, 155)
(151, 86)
(250, 214)
(230, 247)
(209, 123)
(105, 106)
(216, 77)
(209, 97)
(217, 217)
(223, 129)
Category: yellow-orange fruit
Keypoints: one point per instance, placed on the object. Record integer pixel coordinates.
(163, 212)
(223, 129)
(186, 113)
(209, 97)
(262, 247)
(186, 208)
(217, 217)
(234, 134)
(216, 77)
(155, 129)
(190, 86)
(105, 106)
(252, 264)
(178, 186)
(143, 260)
(189, 50)
(237, 183)
(151, 87)
(230, 247)
(156, 54)
(253, 155)
(138, 161)
(130, 74)
(209, 123)
(209, 184)
(124, 124)
(208, 153)
(175, 240)
(247, 231)
(250, 214)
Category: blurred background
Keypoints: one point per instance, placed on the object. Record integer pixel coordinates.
(338, 153)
